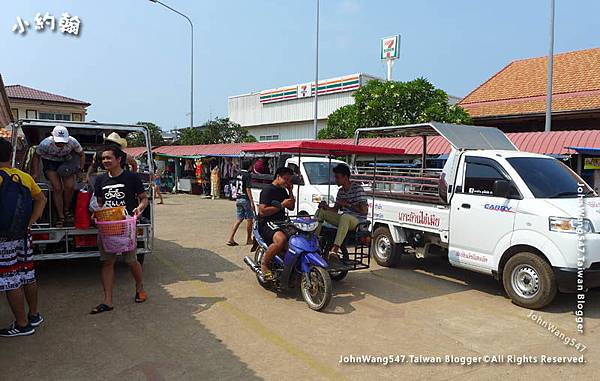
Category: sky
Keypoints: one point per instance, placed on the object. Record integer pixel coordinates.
(132, 57)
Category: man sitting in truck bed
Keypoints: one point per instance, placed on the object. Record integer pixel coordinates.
(351, 201)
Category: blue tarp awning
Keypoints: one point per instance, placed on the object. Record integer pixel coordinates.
(586, 150)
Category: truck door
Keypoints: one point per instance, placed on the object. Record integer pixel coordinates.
(479, 220)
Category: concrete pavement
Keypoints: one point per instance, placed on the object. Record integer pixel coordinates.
(207, 318)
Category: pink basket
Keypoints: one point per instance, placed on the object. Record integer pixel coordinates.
(118, 236)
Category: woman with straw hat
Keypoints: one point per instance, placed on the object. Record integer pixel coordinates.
(96, 167)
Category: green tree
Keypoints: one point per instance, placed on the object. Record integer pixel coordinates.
(222, 130)
(390, 103)
(137, 139)
(190, 137)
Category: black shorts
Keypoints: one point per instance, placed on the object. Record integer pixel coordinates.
(51, 165)
(268, 229)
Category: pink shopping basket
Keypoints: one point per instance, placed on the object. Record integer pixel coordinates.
(118, 236)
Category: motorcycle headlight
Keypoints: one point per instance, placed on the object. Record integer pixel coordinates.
(305, 224)
(571, 225)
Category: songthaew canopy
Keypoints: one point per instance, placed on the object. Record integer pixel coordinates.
(317, 147)
(460, 137)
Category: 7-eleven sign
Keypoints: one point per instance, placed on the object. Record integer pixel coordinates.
(390, 47)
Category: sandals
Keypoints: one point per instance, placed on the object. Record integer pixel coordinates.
(101, 308)
(231, 243)
(267, 276)
(141, 296)
(60, 223)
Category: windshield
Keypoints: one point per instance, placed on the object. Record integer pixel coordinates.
(549, 178)
(319, 173)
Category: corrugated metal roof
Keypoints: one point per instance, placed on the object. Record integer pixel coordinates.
(232, 149)
(547, 143)
(135, 151)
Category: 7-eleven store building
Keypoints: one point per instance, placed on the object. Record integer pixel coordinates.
(286, 113)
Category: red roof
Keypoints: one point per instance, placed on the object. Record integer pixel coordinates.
(232, 149)
(321, 147)
(28, 93)
(520, 87)
(135, 151)
(547, 143)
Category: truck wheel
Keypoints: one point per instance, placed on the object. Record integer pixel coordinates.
(385, 251)
(529, 281)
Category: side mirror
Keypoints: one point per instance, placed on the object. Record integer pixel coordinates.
(501, 188)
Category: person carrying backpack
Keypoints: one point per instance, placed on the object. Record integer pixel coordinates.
(21, 204)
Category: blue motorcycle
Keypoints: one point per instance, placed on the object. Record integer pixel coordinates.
(301, 263)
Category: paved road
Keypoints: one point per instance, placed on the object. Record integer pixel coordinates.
(208, 319)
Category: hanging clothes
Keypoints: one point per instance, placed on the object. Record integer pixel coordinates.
(215, 189)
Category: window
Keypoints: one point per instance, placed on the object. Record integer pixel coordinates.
(76, 117)
(54, 116)
(319, 173)
(548, 178)
(15, 113)
(481, 174)
(31, 114)
(264, 138)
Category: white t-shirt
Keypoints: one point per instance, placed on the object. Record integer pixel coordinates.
(48, 150)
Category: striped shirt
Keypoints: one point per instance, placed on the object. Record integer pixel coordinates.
(354, 196)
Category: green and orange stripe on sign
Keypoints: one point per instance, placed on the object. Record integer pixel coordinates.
(335, 85)
(278, 94)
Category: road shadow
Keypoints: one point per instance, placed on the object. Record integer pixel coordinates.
(158, 340)
(415, 279)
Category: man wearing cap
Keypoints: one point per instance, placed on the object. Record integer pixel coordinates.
(62, 157)
(96, 167)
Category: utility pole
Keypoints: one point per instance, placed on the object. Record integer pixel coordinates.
(548, 125)
(315, 121)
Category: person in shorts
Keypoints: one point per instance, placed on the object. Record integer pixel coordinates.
(275, 198)
(245, 209)
(62, 158)
(119, 187)
(17, 275)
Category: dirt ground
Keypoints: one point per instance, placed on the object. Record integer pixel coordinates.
(207, 319)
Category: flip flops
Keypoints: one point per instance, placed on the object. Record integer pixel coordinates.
(231, 243)
(141, 296)
(101, 308)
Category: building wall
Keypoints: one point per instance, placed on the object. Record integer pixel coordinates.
(32, 109)
(288, 119)
(286, 131)
(248, 111)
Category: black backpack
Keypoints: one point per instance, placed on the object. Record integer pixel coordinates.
(16, 207)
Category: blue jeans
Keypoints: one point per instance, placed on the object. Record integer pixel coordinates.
(244, 209)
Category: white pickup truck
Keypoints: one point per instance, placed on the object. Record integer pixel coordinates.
(316, 182)
(526, 219)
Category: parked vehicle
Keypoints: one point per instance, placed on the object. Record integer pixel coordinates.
(313, 182)
(50, 241)
(517, 216)
(306, 257)
(301, 264)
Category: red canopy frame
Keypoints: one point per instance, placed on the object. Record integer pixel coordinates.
(316, 147)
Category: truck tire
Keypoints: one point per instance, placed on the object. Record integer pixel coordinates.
(385, 252)
(529, 280)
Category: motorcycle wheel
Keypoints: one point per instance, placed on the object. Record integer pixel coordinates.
(318, 294)
(258, 256)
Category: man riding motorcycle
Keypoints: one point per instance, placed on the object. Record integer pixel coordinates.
(270, 213)
(351, 201)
